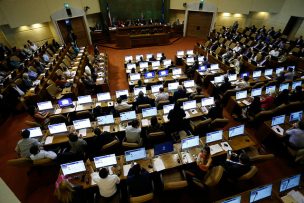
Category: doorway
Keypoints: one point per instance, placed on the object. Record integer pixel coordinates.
(198, 24)
(292, 27)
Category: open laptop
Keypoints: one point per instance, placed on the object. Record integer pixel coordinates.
(290, 183)
(214, 67)
(64, 103)
(190, 60)
(86, 99)
(206, 103)
(135, 154)
(202, 68)
(104, 96)
(137, 57)
(128, 58)
(189, 52)
(44, 106)
(277, 120)
(180, 53)
(155, 88)
(163, 73)
(143, 64)
(295, 116)
(149, 112)
(167, 108)
(105, 120)
(232, 77)
(236, 199)
(256, 92)
(260, 193)
(256, 74)
(219, 79)
(268, 73)
(72, 168)
(279, 70)
(105, 161)
(189, 84)
(159, 55)
(57, 128)
(236, 131)
(82, 123)
(190, 105)
(149, 75)
(122, 93)
(190, 142)
(284, 86)
(242, 75)
(176, 71)
(214, 136)
(127, 116)
(131, 66)
(167, 62)
(134, 76)
(172, 86)
(295, 84)
(35, 132)
(270, 89)
(148, 56)
(155, 63)
(239, 95)
(163, 148)
(200, 58)
(139, 89)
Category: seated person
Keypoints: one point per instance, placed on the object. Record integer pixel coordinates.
(297, 94)
(62, 82)
(78, 145)
(139, 181)
(142, 99)
(40, 117)
(268, 101)
(242, 83)
(121, 105)
(282, 98)
(133, 132)
(180, 93)
(176, 118)
(37, 154)
(26, 81)
(225, 86)
(236, 165)
(100, 139)
(155, 126)
(24, 145)
(216, 111)
(198, 91)
(162, 96)
(255, 106)
(295, 135)
(290, 74)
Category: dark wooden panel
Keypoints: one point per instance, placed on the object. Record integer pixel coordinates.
(199, 24)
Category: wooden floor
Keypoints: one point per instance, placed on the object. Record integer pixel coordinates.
(39, 187)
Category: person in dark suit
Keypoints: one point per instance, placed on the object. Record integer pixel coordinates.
(176, 118)
(139, 181)
(282, 98)
(180, 93)
(225, 86)
(100, 139)
(236, 165)
(142, 99)
(297, 94)
(216, 111)
(255, 106)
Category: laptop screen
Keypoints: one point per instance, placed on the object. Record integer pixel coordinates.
(189, 83)
(155, 88)
(219, 79)
(137, 57)
(126, 116)
(190, 60)
(202, 68)
(84, 99)
(277, 120)
(180, 53)
(131, 65)
(189, 52)
(57, 128)
(284, 86)
(176, 71)
(268, 72)
(149, 75)
(138, 89)
(44, 105)
(214, 136)
(121, 93)
(163, 73)
(128, 58)
(233, 200)
(148, 56)
(135, 76)
(256, 92)
(155, 63)
(35, 132)
(103, 161)
(163, 148)
(159, 55)
(200, 58)
(143, 64)
(290, 182)
(189, 105)
(244, 74)
(237, 130)
(173, 85)
(167, 108)
(279, 70)
(270, 89)
(32, 74)
(190, 142)
(103, 96)
(207, 101)
(149, 112)
(167, 62)
(65, 102)
(82, 123)
(135, 154)
(241, 94)
(214, 66)
(257, 73)
(232, 77)
(292, 67)
(73, 167)
(296, 83)
(296, 116)
(260, 193)
(105, 120)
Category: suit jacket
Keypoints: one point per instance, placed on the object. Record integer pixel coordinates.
(179, 94)
(235, 170)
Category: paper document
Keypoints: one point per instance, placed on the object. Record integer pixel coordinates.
(294, 196)
(158, 164)
(278, 129)
(145, 122)
(49, 140)
(146, 80)
(83, 132)
(187, 158)
(165, 117)
(57, 111)
(160, 79)
(106, 128)
(246, 102)
(126, 169)
(187, 114)
(79, 108)
(189, 90)
(216, 148)
(226, 146)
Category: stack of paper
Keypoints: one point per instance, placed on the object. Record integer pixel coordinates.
(158, 164)
(216, 148)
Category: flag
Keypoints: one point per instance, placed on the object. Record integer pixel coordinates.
(109, 19)
(163, 12)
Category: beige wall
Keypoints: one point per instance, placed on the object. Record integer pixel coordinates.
(227, 19)
(176, 14)
(178, 4)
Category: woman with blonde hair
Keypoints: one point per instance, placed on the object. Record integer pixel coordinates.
(64, 190)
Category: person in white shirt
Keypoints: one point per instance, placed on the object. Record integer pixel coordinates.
(121, 105)
(162, 96)
(133, 132)
(242, 83)
(237, 48)
(275, 52)
(37, 154)
(24, 145)
(106, 183)
(33, 46)
(46, 57)
(66, 73)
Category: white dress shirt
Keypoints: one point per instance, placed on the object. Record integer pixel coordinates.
(107, 186)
